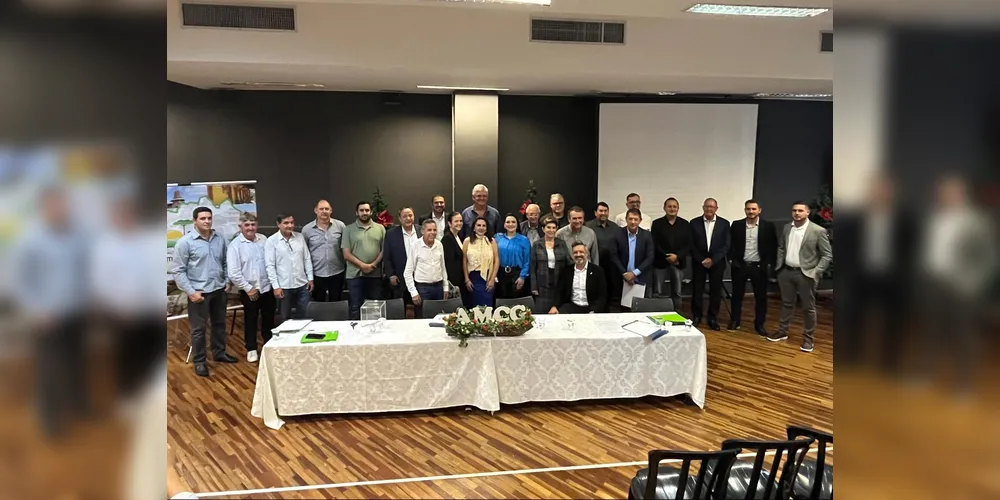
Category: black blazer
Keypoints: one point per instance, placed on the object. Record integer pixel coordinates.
(453, 260)
(767, 242)
(674, 239)
(644, 253)
(394, 252)
(720, 242)
(597, 287)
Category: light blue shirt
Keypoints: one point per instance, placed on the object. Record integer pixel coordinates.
(324, 248)
(50, 270)
(288, 262)
(632, 238)
(246, 266)
(200, 264)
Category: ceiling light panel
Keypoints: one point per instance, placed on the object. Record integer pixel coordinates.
(754, 10)
(544, 3)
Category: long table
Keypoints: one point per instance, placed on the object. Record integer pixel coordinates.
(410, 365)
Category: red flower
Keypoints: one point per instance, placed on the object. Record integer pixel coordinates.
(524, 206)
(826, 214)
(384, 218)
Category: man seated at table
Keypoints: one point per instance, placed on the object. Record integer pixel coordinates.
(585, 290)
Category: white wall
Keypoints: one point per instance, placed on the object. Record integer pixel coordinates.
(688, 151)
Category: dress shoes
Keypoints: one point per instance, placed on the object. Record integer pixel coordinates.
(714, 325)
(760, 331)
(201, 369)
(226, 358)
(696, 321)
(732, 327)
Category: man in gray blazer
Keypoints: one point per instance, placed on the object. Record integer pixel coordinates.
(804, 253)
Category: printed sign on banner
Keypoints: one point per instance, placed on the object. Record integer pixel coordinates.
(226, 199)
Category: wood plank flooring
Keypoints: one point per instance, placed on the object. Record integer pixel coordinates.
(755, 389)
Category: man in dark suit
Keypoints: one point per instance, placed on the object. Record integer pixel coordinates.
(709, 247)
(437, 214)
(672, 236)
(585, 290)
(752, 252)
(398, 243)
(633, 255)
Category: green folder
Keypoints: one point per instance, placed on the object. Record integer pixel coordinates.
(326, 337)
(668, 318)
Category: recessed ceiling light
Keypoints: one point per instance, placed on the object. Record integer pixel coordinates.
(275, 84)
(544, 3)
(754, 10)
(793, 96)
(444, 87)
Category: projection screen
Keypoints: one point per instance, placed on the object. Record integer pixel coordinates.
(688, 151)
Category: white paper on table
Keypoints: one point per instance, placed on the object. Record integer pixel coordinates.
(641, 328)
(292, 325)
(630, 292)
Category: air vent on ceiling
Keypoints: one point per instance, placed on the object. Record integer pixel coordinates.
(553, 30)
(238, 16)
(826, 41)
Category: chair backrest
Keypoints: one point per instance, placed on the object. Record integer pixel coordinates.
(395, 309)
(652, 305)
(448, 306)
(528, 302)
(705, 485)
(328, 311)
(822, 439)
(776, 486)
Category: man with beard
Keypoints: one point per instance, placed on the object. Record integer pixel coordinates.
(437, 214)
(362, 246)
(606, 232)
(585, 289)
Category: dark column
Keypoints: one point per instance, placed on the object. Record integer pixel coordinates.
(475, 126)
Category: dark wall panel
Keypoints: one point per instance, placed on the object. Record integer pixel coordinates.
(303, 146)
(553, 141)
(794, 154)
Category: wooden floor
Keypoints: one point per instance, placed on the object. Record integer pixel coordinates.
(755, 389)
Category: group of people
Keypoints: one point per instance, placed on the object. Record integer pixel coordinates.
(565, 264)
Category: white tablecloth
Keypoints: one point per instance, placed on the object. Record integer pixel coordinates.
(413, 366)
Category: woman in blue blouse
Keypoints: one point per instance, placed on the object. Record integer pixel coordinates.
(515, 255)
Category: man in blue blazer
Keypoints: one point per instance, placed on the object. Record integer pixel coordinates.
(710, 241)
(398, 243)
(633, 256)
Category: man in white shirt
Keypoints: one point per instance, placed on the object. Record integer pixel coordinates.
(585, 290)
(425, 273)
(634, 201)
(289, 268)
(804, 253)
(248, 272)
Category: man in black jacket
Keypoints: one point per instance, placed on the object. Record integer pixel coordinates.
(709, 248)
(585, 289)
(753, 248)
(672, 238)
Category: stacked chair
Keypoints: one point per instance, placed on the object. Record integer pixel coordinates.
(722, 475)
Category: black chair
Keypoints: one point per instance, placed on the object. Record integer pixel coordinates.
(815, 478)
(672, 483)
(528, 302)
(448, 306)
(652, 305)
(328, 311)
(750, 480)
(395, 309)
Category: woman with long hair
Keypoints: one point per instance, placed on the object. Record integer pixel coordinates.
(481, 264)
(514, 250)
(454, 257)
(549, 258)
